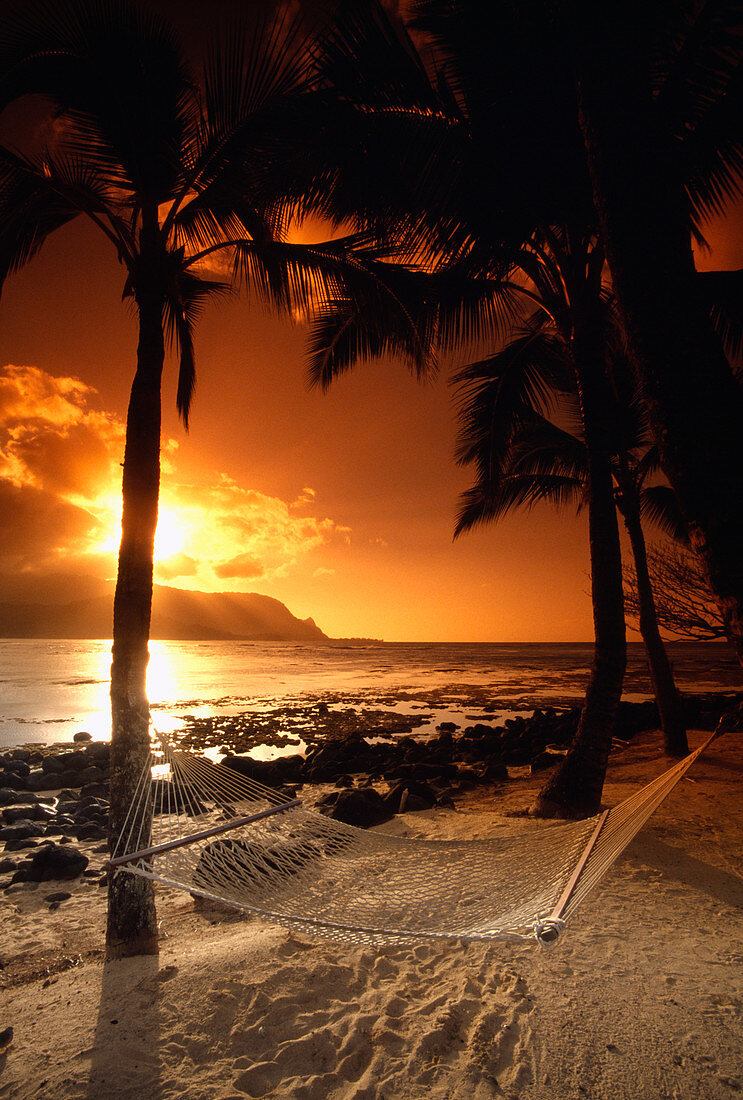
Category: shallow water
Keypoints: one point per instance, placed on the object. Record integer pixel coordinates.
(51, 689)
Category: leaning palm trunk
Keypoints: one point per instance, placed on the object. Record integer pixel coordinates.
(693, 400)
(574, 789)
(132, 926)
(670, 707)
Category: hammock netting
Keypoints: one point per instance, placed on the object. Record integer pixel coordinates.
(205, 828)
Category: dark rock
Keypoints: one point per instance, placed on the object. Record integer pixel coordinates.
(19, 845)
(40, 780)
(19, 754)
(21, 830)
(494, 771)
(410, 803)
(91, 774)
(410, 796)
(98, 790)
(360, 807)
(53, 764)
(81, 736)
(57, 896)
(266, 772)
(290, 767)
(66, 795)
(99, 753)
(479, 730)
(19, 767)
(56, 862)
(7, 865)
(9, 796)
(67, 778)
(468, 776)
(12, 781)
(546, 760)
(447, 727)
(344, 781)
(36, 811)
(92, 831)
(66, 806)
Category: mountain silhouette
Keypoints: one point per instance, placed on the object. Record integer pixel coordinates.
(176, 614)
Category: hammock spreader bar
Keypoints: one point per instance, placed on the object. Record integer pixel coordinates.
(182, 841)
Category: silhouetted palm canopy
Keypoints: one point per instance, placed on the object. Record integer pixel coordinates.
(520, 429)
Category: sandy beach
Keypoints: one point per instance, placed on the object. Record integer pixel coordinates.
(641, 998)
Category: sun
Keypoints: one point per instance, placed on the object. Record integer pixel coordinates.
(170, 536)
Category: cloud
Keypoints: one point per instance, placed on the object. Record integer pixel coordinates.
(244, 533)
(307, 496)
(28, 395)
(51, 439)
(177, 565)
(60, 503)
(38, 529)
(243, 566)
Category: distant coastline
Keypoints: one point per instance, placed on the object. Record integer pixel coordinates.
(177, 615)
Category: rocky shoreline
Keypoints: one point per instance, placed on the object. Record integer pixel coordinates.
(359, 767)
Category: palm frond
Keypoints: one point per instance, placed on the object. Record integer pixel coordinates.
(183, 305)
(499, 394)
(487, 502)
(659, 504)
(722, 292)
(36, 199)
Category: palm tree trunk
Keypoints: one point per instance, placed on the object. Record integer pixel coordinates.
(667, 697)
(574, 789)
(132, 924)
(694, 402)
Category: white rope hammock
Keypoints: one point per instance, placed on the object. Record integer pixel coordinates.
(206, 829)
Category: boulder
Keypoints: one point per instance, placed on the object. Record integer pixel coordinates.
(545, 760)
(267, 772)
(494, 770)
(33, 812)
(56, 862)
(40, 780)
(19, 767)
(12, 781)
(362, 807)
(407, 797)
(97, 790)
(10, 796)
(22, 829)
(91, 774)
(82, 736)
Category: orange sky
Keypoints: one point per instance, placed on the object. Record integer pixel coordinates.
(341, 505)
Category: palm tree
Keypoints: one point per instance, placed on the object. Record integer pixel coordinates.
(654, 94)
(508, 161)
(661, 110)
(174, 165)
(542, 461)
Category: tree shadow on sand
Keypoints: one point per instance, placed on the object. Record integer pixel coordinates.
(676, 863)
(125, 1058)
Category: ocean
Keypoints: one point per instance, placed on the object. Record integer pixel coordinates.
(49, 690)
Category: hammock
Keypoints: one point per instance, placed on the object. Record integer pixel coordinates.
(204, 828)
